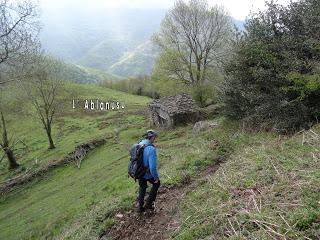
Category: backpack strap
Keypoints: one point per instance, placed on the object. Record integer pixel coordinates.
(145, 145)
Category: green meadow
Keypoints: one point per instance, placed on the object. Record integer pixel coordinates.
(263, 179)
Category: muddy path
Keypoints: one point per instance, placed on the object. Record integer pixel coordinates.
(163, 221)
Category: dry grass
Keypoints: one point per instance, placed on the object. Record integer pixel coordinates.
(268, 189)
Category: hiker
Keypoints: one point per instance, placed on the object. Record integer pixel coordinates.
(151, 176)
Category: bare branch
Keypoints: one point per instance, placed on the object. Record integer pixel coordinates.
(43, 88)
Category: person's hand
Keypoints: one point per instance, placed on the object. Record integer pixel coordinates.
(156, 181)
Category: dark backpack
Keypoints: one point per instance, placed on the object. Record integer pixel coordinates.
(136, 169)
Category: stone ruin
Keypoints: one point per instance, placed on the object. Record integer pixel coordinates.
(174, 110)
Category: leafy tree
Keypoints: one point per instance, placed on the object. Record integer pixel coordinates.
(273, 77)
(193, 40)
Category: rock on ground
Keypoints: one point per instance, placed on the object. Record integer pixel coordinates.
(204, 125)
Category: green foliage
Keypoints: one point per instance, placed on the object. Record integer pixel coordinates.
(166, 86)
(303, 84)
(168, 61)
(203, 94)
(273, 78)
(142, 86)
(194, 38)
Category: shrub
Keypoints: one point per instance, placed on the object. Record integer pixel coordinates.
(273, 80)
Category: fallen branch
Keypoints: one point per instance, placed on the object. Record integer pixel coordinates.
(233, 228)
(316, 135)
(264, 230)
(254, 201)
(265, 224)
(76, 156)
(274, 167)
(290, 228)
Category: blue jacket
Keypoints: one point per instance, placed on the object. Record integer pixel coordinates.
(150, 160)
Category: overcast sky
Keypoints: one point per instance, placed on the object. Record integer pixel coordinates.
(238, 9)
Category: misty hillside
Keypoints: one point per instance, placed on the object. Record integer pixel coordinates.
(136, 62)
(116, 41)
(80, 74)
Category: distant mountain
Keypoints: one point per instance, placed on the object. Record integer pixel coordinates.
(105, 53)
(106, 41)
(115, 42)
(140, 61)
(80, 74)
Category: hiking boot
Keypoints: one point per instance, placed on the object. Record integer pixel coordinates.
(149, 206)
(141, 209)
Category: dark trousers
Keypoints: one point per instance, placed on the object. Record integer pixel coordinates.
(142, 191)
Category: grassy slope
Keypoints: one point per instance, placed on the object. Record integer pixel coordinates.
(77, 202)
(268, 189)
(71, 127)
(42, 208)
(73, 203)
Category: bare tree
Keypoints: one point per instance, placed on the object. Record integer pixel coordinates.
(43, 89)
(18, 40)
(19, 30)
(193, 38)
(5, 143)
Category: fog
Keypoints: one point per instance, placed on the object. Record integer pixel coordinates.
(110, 34)
(237, 9)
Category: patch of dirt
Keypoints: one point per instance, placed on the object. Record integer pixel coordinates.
(212, 168)
(103, 124)
(161, 223)
(148, 225)
(250, 197)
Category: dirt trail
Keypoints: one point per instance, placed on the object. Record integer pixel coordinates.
(161, 223)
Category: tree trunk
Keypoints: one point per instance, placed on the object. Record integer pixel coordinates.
(5, 144)
(51, 144)
(12, 160)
